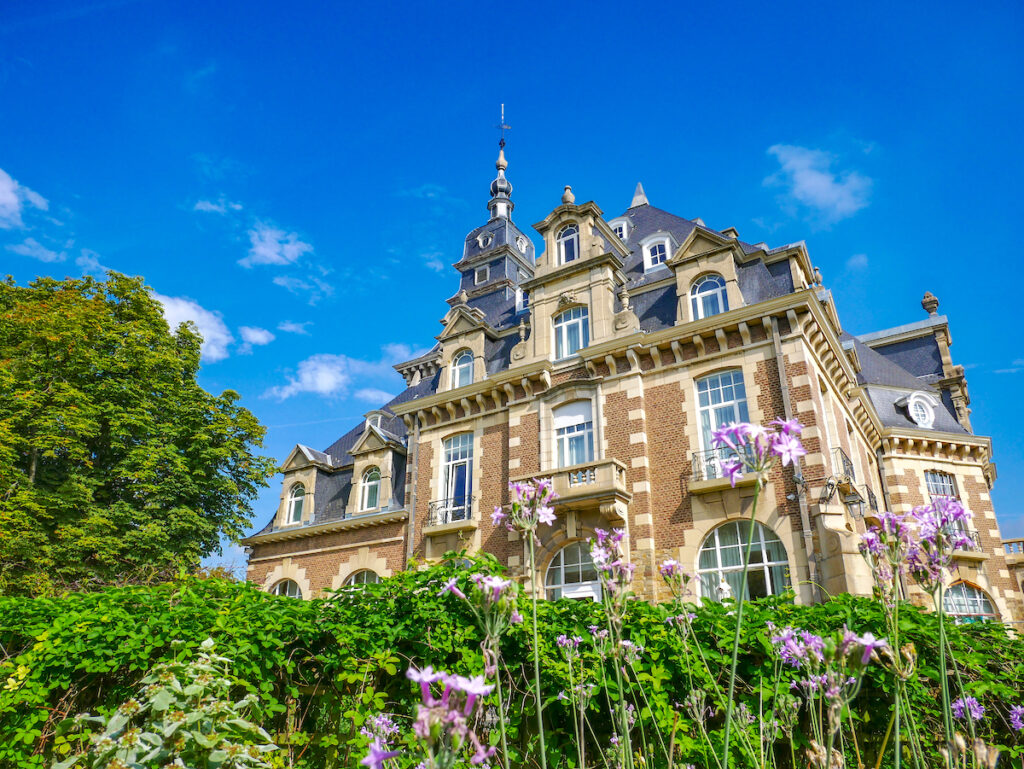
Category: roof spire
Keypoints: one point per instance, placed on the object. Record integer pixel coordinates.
(500, 205)
(639, 198)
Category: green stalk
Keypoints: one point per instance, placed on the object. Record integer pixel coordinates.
(739, 623)
(946, 713)
(501, 719)
(899, 679)
(536, 655)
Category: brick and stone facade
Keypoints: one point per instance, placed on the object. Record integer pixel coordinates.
(883, 414)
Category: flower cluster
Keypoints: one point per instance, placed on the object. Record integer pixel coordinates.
(443, 723)
(380, 728)
(967, 707)
(493, 604)
(531, 506)
(609, 556)
(747, 447)
(920, 543)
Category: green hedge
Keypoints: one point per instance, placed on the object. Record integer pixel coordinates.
(322, 666)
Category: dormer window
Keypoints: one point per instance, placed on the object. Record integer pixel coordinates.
(296, 497)
(370, 493)
(708, 296)
(568, 244)
(482, 274)
(522, 300)
(655, 254)
(373, 419)
(921, 410)
(572, 332)
(484, 240)
(462, 369)
(620, 228)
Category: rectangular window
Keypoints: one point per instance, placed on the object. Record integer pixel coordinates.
(458, 477)
(940, 484)
(482, 274)
(522, 300)
(721, 400)
(572, 332)
(574, 433)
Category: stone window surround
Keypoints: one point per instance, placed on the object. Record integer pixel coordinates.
(288, 569)
(548, 401)
(307, 477)
(438, 481)
(653, 239)
(364, 560)
(689, 269)
(383, 460)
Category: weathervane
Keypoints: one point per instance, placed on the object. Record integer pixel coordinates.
(503, 127)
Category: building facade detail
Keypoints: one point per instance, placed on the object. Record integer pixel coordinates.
(604, 362)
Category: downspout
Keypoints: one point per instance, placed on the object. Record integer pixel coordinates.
(414, 476)
(887, 504)
(801, 495)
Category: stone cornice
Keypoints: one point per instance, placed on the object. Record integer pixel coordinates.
(345, 524)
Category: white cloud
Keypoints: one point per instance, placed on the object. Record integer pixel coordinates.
(373, 395)
(809, 181)
(270, 245)
(290, 327)
(89, 263)
(313, 289)
(253, 336)
(36, 250)
(857, 262)
(216, 336)
(219, 206)
(432, 259)
(331, 376)
(13, 197)
(427, 192)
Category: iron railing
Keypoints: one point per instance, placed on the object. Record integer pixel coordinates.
(843, 464)
(707, 464)
(872, 500)
(450, 510)
(974, 536)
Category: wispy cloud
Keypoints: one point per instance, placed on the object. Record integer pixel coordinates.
(812, 186)
(36, 250)
(271, 245)
(432, 259)
(13, 199)
(254, 336)
(428, 192)
(216, 336)
(290, 327)
(219, 206)
(857, 262)
(373, 395)
(1016, 367)
(195, 78)
(89, 263)
(331, 376)
(312, 290)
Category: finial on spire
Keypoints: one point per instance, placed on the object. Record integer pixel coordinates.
(639, 198)
(500, 206)
(503, 127)
(567, 196)
(930, 303)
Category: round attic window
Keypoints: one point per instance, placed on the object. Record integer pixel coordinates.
(921, 410)
(521, 244)
(485, 240)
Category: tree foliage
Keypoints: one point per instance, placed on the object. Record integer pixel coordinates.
(322, 667)
(113, 460)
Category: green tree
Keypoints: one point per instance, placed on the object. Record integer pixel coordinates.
(114, 462)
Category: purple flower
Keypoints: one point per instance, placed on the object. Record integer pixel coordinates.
(870, 644)
(491, 587)
(789, 426)
(788, 448)
(731, 468)
(731, 436)
(377, 756)
(545, 515)
(1017, 718)
(968, 706)
(452, 586)
(670, 568)
(515, 618)
(498, 515)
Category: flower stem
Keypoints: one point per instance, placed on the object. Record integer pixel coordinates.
(536, 655)
(946, 713)
(501, 719)
(739, 624)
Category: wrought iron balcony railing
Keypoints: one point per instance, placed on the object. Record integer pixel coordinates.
(872, 499)
(843, 465)
(707, 464)
(449, 510)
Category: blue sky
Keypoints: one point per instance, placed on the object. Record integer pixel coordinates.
(278, 171)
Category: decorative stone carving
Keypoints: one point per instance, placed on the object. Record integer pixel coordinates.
(567, 197)
(519, 350)
(566, 298)
(930, 303)
(626, 319)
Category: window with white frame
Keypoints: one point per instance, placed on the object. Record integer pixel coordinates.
(568, 243)
(721, 400)
(458, 478)
(574, 433)
(522, 300)
(296, 496)
(363, 577)
(708, 296)
(572, 332)
(655, 253)
(921, 410)
(482, 274)
(940, 484)
(621, 229)
(572, 574)
(370, 491)
(720, 563)
(287, 587)
(966, 604)
(462, 369)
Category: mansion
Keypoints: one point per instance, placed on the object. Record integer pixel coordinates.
(604, 362)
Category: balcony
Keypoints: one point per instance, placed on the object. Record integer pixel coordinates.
(842, 466)
(707, 470)
(452, 514)
(600, 484)
(1013, 549)
(974, 553)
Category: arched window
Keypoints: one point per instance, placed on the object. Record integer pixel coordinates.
(572, 332)
(458, 481)
(462, 369)
(708, 296)
(370, 499)
(721, 557)
(656, 252)
(965, 604)
(363, 577)
(572, 574)
(568, 243)
(287, 587)
(721, 400)
(295, 499)
(574, 433)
